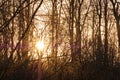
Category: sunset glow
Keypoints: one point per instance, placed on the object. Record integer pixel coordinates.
(40, 45)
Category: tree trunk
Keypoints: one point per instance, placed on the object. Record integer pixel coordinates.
(106, 33)
(71, 26)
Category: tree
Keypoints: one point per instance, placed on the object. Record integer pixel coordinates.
(99, 41)
(116, 14)
(106, 32)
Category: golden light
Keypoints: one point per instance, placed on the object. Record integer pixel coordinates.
(40, 45)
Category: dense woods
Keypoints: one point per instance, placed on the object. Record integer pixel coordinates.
(81, 39)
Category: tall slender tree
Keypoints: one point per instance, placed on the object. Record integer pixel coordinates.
(99, 54)
(115, 8)
(106, 32)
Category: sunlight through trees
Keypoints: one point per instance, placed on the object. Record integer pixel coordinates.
(59, 39)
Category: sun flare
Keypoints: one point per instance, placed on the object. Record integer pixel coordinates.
(40, 45)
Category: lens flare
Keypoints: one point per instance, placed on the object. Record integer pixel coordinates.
(40, 45)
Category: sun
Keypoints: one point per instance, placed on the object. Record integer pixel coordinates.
(40, 45)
